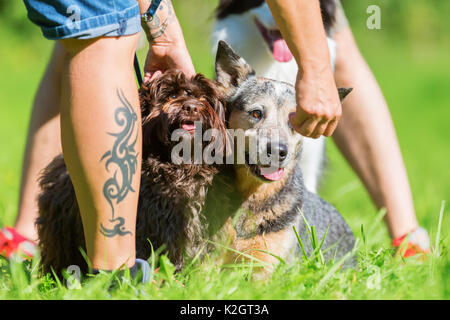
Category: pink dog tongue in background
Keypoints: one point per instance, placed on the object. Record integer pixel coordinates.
(274, 176)
(281, 51)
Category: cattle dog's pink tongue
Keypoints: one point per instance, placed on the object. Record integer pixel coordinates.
(269, 174)
(281, 51)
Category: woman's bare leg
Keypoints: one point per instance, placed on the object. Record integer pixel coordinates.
(43, 142)
(101, 140)
(366, 137)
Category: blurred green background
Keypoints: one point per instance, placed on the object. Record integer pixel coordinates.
(409, 55)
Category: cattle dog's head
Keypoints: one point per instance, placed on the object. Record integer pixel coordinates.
(261, 108)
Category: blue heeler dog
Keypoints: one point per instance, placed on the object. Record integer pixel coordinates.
(269, 193)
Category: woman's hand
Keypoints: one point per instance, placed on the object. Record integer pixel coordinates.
(318, 106)
(167, 47)
(161, 57)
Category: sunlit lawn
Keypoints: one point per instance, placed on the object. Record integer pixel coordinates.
(415, 81)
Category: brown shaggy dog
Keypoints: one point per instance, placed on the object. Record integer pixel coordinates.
(171, 195)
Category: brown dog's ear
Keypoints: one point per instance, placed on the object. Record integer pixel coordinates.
(343, 92)
(231, 69)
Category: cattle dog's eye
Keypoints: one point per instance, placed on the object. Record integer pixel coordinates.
(172, 97)
(256, 114)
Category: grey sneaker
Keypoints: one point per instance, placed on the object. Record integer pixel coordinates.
(140, 271)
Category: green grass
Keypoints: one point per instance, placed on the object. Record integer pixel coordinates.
(378, 276)
(414, 78)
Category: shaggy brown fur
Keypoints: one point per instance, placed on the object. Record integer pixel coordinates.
(171, 196)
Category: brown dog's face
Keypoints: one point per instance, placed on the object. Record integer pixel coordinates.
(171, 102)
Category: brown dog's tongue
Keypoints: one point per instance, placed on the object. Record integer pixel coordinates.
(188, 126)
(281, 51)
(269, 174)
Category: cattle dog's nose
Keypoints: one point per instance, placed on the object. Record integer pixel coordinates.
(279, 150)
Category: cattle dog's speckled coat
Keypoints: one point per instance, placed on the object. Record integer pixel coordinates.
(262, 213)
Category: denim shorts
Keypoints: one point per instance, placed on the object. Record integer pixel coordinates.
(84, 19)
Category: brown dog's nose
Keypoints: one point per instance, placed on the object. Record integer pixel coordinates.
(190, 108)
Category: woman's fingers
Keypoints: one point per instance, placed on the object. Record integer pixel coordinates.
(332, 125)
(320, 129)
(307, 127)
(150, 75)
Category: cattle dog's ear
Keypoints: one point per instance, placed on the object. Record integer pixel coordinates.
(343, 92)
(231, 69)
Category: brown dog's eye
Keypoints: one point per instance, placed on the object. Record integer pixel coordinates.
(172, 97)
(257, 114)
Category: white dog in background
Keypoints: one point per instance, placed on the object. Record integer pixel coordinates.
(249, 28)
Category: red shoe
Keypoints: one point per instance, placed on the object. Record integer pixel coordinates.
(12, 242)
(418, 242)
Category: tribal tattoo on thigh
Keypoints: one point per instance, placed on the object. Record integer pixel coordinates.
(123, 159)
